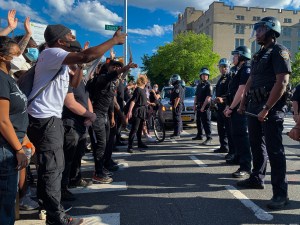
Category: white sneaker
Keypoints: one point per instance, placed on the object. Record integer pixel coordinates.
(26, 203)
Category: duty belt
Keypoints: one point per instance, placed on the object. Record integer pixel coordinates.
(258, 95)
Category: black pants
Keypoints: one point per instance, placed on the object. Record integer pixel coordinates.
(47, 136)
(266, 142)
(99, 139)
(118, 129)
(224, 132)
(240, 137)
(204, 120)
(74, 145)
(110, 145)
(136, 129)
(177, 121)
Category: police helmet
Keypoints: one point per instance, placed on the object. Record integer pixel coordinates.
(182, 83)
(175, 78)
(224, 62)
(204, 71)
(271, 23)
(243, 51)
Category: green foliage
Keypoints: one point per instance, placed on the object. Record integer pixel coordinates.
(295, 77)
(186, 55)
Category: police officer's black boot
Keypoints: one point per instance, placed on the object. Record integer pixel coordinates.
(278, 202)
(198, 137)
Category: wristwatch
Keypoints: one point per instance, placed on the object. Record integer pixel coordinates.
(266, 107)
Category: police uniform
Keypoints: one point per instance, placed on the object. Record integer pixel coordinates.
(177, 92)
(266, 137)
(203, 90)
(238, 122)
(223, 126)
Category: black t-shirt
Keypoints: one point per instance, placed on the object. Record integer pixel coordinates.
(238, 78)
(140, 98)
(71, 119)
(104, 92)
(177, 92)
(17, 105)
(267, 63)
(203, 90)
(152, 98)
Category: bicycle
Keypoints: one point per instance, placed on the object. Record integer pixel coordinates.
(157, 125)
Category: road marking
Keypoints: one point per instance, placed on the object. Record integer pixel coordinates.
(258, 212)
(184, 132)
(115, 186)
(209, 147)
(173, 141)
(99, 219)
(197, 161)
(206, 153)
(89, 156)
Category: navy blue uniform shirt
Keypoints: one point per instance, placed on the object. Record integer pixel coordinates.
(203, 90)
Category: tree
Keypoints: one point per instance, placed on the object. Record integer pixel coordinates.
(295, 76)
(186, 55)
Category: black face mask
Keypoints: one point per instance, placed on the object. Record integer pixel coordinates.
(74, 46)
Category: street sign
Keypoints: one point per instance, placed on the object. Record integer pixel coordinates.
(111, 27)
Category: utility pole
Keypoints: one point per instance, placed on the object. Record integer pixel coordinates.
(125, 30)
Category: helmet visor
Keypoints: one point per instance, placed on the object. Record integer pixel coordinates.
(260, 28)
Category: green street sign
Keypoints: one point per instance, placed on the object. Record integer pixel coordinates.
(111, 27)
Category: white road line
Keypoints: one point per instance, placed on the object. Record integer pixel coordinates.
(209, 147)
(122, 166)
(93, 219)
(184, 132)
(115, 186)
(197, 161)
(173, 141)
(258, 212)
(206, 153)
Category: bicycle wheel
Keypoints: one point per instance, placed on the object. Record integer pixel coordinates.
(159, 129)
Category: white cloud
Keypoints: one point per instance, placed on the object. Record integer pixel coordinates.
(175, 6)
(22, 9)
(90, 15)
(156, 30)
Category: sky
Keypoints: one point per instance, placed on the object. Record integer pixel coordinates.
(150, 22)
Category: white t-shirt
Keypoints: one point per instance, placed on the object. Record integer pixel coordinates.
(50, 102)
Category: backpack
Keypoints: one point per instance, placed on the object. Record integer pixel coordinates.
(25, 83)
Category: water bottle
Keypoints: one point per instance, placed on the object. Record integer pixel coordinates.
(27, 149)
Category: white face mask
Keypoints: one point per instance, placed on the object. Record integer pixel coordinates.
(155, 89)
(17, 62)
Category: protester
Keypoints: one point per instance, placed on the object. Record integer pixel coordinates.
(13, 125)
(46, 128)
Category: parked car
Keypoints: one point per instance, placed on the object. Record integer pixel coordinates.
(188, 114)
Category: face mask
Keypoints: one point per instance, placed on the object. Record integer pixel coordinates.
(17, 62)
(74, 46)
(155, 89)
(32, 54)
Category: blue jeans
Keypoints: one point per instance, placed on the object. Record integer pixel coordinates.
(8, 184)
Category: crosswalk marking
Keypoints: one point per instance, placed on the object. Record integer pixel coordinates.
(258, 212)
(93, 219)
(115, 186)
(197, 161)
(87, 168)
(89, 156)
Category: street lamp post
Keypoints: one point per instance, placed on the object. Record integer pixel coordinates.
(125, 30)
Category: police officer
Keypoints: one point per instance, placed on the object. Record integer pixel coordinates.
(239, 131)
(202, 107)
(177, 96)
(223, 125)
(270, 71)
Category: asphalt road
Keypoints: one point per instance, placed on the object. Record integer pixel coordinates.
(181, 183)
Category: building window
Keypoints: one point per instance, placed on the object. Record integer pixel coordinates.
(239, 29)
(287, 44)
(239, 42)
(287, 20)
(256, 18)
(240, 17)
(287, 31)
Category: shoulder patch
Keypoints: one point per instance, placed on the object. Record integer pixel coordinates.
(248, 70)
(285, 54)
(177, 91)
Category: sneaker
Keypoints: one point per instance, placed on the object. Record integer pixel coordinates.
(130, 149)
(66, 195)
(80, 183)
(142, 145)
(207, 141)
(175, 137)
(113, 168)
(107, 172)
(240, 174)
(221, 150)
(278, 202)
(249, 184)
(102, 179)
(198, 138)
(66, 220)
(26, 203)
